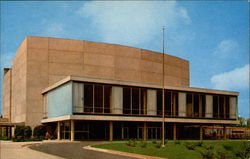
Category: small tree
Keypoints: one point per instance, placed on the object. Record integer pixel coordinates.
(248, 123)
(23, 132)
(40, 131)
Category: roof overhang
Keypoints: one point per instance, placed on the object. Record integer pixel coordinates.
(137, 119)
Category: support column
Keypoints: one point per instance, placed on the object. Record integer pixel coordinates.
(72, 130)
(110, 131)
(145, 131)
(174, 132)
(58, 131)
(224, 132)
(201, 133)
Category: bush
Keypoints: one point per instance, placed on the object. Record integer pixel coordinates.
(228, 147)
(22, 133)
(190, 146)
(199, 144)
(131, 142)
(154, 141)
(27, 132)
(244, 152)
(158, 145)
(221, 155)
(40, 131)
(144, 144)
(207, 154)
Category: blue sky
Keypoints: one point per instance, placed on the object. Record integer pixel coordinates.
(213, 36)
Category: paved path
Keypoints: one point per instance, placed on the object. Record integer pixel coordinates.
(18, 150)
(74, 150)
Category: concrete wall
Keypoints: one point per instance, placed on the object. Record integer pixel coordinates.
(6, 94)
(117, 100)
(209, 106)
(151, 102)
(16, 96)
(232, 107)
(60, 101)
(182, 111)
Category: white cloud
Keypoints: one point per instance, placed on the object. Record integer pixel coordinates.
(185, 16)
(226, 48)
(132, 22)
(233, 80)
(54, 30)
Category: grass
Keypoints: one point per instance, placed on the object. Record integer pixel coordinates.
(173, 150)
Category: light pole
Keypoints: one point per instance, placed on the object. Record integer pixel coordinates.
(163, 94)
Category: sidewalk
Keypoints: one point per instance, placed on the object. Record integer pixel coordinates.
(19, 150)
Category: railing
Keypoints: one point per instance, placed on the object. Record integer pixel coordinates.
(151, 113)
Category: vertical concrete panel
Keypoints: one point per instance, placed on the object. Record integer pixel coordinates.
(117, 100)
(232, 107)
(78, 97)
(209, 106)
(151, 102)
(182, 104)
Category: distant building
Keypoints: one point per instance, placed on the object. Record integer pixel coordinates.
(85, 90)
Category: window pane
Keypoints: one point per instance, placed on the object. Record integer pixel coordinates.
(135, 100)
(215, 106)
(88, 97)
(189, 104)
(107, 97)
(98, 98)
(196, 105)
(168, 103)
(159, 102)
(126, 100)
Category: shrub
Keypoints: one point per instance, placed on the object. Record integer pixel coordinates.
(40, 131)
(244, 152)
(27, 132)
(190, 146)
(22, 133)
(154, 141)
(207, 154)
(221, 155)
(131, 142)
(158, 145)
(199, 144)
(5, 138)
(228, 147)
(144, 144)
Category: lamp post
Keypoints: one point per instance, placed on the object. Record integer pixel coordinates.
(163, 94)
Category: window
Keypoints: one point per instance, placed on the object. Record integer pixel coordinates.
(98, 98)
(88, 98)
(159, 102)
(215, 106)
(126, 100)
(107, 98)
(135, 100)
(189, 100)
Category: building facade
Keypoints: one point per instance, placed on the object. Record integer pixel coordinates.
(86, 90)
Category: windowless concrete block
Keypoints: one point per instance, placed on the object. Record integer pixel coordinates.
(209, 106)
(182, 104)
(232, 109)
(151, 102)
(117, 100)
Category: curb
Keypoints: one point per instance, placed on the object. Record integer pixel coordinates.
(127, 154)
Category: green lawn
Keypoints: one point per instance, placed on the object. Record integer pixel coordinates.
(179, 150)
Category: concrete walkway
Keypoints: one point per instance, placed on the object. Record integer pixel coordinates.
(19, 150)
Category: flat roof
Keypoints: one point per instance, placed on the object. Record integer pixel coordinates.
(136, 84)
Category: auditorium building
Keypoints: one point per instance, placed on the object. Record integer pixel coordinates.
(85, 90)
